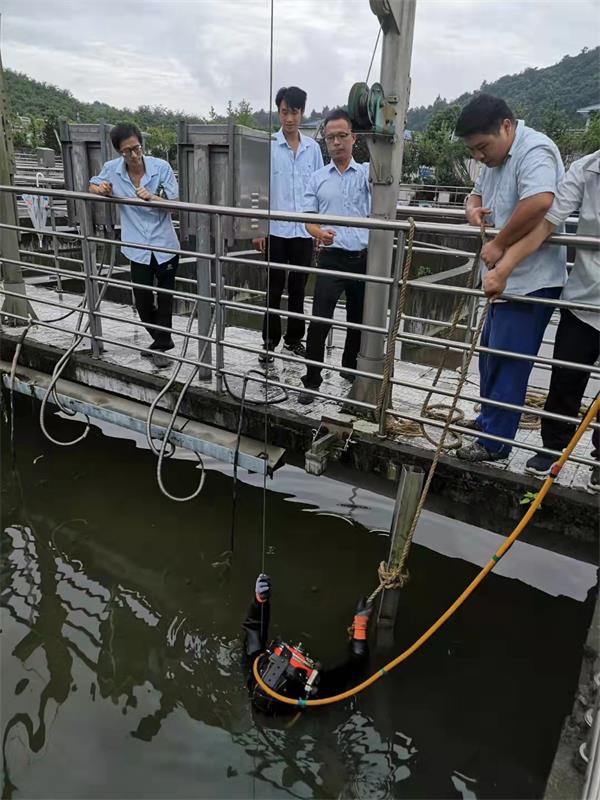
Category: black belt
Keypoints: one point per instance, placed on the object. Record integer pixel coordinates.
(352, 255)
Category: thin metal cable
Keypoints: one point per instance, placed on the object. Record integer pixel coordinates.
(266, 429)
(373, 56)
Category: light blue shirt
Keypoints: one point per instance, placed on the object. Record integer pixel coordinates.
(533, 165)
(289, 175)
(143, 225)
(579, 191)
(346, 194)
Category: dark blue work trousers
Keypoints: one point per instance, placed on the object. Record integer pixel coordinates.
(516, 328)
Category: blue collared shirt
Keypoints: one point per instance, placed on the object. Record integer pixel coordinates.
(347, 194)
(533, 165)
(143, 225)
(289, 176)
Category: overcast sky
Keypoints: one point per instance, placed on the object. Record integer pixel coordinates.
(191, 54)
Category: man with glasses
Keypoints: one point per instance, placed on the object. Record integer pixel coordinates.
(293, 160)
(137, 175)
(341, 188)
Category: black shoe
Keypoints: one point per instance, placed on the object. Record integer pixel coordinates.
(477, 452)
(305, 399)
(266, 357)
(297, 349)
(471, 424)
(539, 465)
(593, 485)
(162, 347)
(348, 376)
(160, 360)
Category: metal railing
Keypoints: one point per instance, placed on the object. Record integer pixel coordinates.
(218, 299)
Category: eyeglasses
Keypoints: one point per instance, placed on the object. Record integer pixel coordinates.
(128, 151)
(333, 136)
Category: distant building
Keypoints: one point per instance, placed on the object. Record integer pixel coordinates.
(587, 109)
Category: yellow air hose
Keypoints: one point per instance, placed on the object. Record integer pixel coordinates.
(545, 488)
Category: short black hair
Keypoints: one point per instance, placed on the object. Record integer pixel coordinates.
(337, 113)
(484, 114)
(293, 96)
(123, 131)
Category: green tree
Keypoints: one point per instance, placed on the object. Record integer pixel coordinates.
(591, 135)
(161, 141)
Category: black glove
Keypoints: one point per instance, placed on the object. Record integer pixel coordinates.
(262, 588)
(363, 608)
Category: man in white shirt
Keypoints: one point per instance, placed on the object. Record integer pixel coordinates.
(578, 333)
(294, 158)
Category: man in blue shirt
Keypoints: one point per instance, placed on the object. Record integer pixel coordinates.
(293, 160)
(515, 188)
(137, 175)
(340, 188)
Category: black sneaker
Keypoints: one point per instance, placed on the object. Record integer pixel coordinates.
(297, 349)
(477, 452)
(266, 357)
(471, 424)
(593, 485)
(539, 465)
(305, 399)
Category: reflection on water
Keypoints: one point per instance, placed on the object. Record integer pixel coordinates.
(121, 656)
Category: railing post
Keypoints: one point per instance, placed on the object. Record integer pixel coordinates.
(407, 499)
(88, 256)
(394, 297)
(219, 318)
(55, 248)
(203, 311)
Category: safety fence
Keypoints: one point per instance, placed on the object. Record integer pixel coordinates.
(208, 291)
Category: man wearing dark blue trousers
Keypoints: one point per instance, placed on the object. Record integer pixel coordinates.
(515, 188)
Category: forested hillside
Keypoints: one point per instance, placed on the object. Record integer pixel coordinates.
(571, 84)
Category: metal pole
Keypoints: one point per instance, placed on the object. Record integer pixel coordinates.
(55, 249)
(397, 18)
(12, 275)
(88, 254)
(219, 318)
(394, 297)
(407, 499)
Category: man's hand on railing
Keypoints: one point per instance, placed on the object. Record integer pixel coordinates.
(144, 194)
(260, 244)
(491, 253)
(104, 188)
(494, 282)
(476, 214)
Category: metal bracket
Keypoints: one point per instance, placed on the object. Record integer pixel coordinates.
(330, 440)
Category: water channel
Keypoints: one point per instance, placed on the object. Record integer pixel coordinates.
(121, 657)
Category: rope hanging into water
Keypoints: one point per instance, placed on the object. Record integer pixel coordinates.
(502, 550)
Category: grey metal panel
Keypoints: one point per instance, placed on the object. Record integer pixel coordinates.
(85, 148)
(238, 172)
(251, 187)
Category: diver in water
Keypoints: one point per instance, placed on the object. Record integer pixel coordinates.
(287, 668)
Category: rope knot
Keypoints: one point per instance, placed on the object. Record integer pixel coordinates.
(395, 578)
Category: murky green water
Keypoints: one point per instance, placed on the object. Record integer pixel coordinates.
(121, 669)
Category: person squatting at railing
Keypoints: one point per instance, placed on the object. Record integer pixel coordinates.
(514, 189)
(137, 175)
(293, 160)
(288, 669)
(578, 333)
(340, 188)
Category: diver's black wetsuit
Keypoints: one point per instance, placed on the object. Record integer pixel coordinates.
(332, 680)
